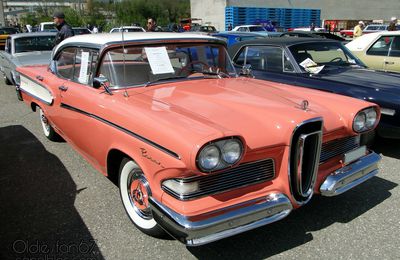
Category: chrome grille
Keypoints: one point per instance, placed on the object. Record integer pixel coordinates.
(243, 175)
(338, 147)
(305, 151)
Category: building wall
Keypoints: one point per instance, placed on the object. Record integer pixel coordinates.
(211, 11)
(214, 10)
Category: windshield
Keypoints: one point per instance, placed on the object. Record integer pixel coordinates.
(35, 43)
(257, 29)
(148, 64)
(48, 26)
(324, 54)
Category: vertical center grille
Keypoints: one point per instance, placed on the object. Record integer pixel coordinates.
(305, 152)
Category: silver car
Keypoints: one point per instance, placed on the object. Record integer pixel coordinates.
(25, 49)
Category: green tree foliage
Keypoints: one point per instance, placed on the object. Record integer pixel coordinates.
(108, 14)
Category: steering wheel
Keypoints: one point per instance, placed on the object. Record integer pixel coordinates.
(337, 59)
(186, 68)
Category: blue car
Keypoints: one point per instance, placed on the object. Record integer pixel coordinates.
(235, 37)
(325, 65)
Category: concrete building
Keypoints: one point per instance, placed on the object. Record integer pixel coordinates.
(337, 11)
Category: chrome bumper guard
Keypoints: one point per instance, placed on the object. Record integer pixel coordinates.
(222, 223)
(351, 175)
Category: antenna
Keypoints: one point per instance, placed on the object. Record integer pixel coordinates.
(123, 58)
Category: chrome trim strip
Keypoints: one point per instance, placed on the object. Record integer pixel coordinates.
(351, 175)
(139, 137)
(222, 223)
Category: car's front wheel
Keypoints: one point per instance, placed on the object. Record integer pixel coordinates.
(47, 128)
(135, 192)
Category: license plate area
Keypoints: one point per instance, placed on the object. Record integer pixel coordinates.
(354, 155)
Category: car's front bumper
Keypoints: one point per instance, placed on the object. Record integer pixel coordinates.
(351, 175)
(222, 223)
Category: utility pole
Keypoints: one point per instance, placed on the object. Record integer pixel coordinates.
(2, 20)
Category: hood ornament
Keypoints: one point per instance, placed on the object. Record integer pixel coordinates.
(304, 105)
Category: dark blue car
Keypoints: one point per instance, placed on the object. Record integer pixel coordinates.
(326, 65)
(235, 37)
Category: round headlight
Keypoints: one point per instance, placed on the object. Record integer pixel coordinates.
(372, 116)
(359, 122)
(209, 157)
(231, 151)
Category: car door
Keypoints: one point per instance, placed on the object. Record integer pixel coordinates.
(392, 62)
(79, 101)
(268, 62)
(376, 56)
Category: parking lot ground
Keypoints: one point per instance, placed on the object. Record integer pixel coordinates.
(54, 204)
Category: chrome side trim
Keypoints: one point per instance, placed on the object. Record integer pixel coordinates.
(222, 223)
(137, 136)
(351, 175)
(35, 90)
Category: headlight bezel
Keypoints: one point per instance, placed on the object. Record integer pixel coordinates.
(220, 144)
(366, 113)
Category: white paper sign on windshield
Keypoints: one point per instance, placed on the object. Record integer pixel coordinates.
(83, 73)
(159, 60)
(310, 66)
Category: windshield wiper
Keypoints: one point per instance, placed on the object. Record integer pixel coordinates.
(149, 83)
(219, 74)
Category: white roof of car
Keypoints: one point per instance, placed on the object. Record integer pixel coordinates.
(364, 41)
(105, 38)
(251, 25)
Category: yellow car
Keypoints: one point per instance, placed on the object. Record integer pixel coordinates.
(380, 50)
(4, 32)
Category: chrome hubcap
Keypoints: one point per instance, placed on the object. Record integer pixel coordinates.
(44, 120)
(138, 192)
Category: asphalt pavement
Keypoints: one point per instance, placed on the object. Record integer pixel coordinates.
(54, 205)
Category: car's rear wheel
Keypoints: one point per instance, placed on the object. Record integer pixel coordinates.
(7, 81)
(47, 128)
(135, 192)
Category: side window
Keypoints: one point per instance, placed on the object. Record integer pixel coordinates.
(240, 59)
(85, 61)
(266, 58)
(395, 48)
(381, 46)
(65, 63)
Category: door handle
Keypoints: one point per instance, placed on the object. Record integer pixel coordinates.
(38, 77)
(63, 88)
(389, 62)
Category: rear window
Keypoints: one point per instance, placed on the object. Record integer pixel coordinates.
(38, 43)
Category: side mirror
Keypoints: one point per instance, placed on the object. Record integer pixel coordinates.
(246, 71)
(103, 82)
(99, 82)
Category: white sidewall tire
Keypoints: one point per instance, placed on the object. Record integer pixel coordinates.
(146, 224)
